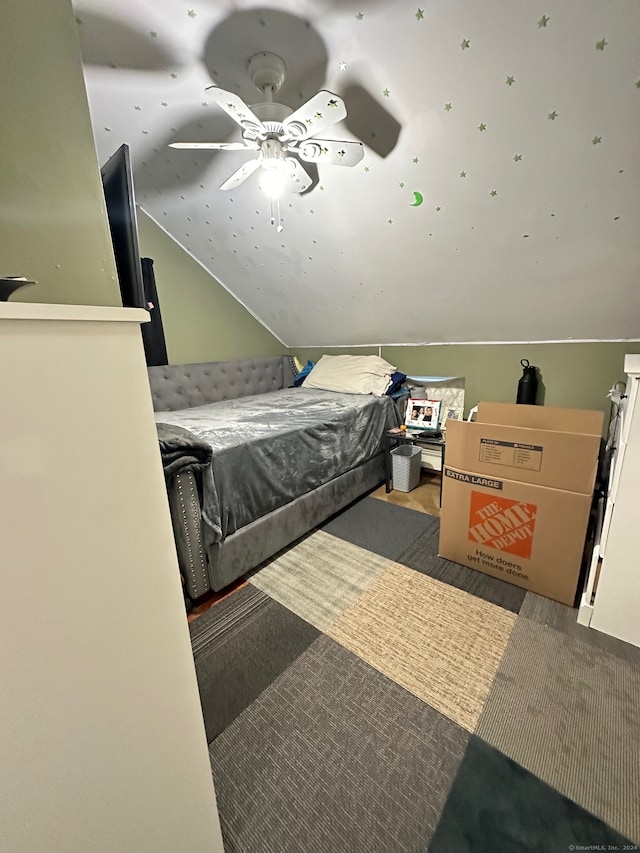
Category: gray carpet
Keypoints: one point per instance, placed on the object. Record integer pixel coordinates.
(354, 740)
(422, 555)
(334, 758)
(380, 527)
(239, 647)
(570, 713)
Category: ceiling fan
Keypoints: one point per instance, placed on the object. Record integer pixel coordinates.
(280, 137)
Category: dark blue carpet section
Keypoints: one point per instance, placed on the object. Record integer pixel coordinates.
(378, 526)
(496, 805)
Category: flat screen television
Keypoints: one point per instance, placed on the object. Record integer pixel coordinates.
(117, 180)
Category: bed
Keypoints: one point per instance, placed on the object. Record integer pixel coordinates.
(275, 461)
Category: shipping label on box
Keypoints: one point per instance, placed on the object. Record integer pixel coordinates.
(511, 453)
(532, 536)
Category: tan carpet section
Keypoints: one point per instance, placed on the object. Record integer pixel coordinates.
(440, 643)
(320, 577)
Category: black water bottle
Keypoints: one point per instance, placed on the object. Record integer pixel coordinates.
(528, 384)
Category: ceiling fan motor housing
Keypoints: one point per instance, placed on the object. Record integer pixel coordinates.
(267, 70)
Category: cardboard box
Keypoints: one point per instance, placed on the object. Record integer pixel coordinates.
(516, 499)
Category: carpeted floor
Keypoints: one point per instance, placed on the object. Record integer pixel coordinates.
(362, 695)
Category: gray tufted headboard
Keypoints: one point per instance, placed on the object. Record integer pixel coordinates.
(182, 386)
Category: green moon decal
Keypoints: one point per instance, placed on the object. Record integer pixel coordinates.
(417, 199)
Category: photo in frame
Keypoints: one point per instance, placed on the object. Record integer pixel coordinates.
(422, 414)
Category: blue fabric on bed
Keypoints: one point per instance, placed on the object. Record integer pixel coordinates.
(306, 370)
(397, 379)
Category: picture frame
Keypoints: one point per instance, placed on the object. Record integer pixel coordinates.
(422, 414)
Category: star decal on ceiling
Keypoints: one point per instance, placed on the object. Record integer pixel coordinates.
(137, 107)
(596, 140)
(463, 174)
(321, 187)
(153, 34)
(438, 209)
(390, 221)
(308, 121)
(401, 185)
(262, 22)
(465, 44)
(482, 126)
(191, 13)
(448, 107)
(517, 157)
(332, 104)
(553, 116)
(493, 193)
(510, 81)
(386, 93)
(174, 76)
(359, 16)
(367, 169)
(419, 14)
(544, 20)
(600, 45)
(416, 159)
(342, 66)
(318, 116)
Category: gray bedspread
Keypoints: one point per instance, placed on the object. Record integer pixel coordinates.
(271, 448)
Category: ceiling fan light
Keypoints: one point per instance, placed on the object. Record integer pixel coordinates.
(274, 180)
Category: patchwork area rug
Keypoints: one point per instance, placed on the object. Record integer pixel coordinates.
(363, 695)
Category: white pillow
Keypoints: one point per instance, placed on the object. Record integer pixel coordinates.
(351, 374)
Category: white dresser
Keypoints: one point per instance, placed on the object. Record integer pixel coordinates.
(611, 602)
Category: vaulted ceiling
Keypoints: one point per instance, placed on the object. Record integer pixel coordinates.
(498, 198)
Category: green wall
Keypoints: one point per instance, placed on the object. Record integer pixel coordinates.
(572, 375)
(53, 224)
(202, 321)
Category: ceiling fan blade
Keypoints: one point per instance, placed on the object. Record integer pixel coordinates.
(330, 151)
(216, 146)
(234, 106)
(318, 113)
(241, 174)
(299, 180)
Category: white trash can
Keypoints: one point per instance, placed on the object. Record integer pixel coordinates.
(405, 467)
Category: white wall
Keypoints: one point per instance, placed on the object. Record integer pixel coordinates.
(102, 741)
